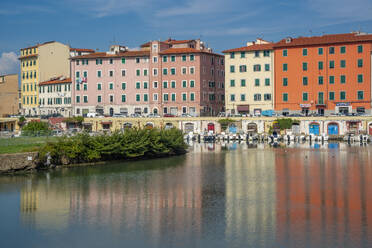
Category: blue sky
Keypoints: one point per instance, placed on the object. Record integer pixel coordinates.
(222, 24)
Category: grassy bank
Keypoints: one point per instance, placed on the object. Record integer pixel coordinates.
(23, 144)
(132, 144)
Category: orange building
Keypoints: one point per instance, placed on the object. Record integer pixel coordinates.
(323, 74)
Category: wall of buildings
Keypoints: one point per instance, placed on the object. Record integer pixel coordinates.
(9, 96)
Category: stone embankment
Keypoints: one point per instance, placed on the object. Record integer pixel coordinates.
(10, 163)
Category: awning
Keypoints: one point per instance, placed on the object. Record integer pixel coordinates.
(242, 108)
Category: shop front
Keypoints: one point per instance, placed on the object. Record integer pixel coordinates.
(343, 108)
(353, 127)
(243, 109)
(305, 109)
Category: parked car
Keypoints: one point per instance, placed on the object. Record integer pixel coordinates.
(151, 115)
(221, 114)
(169, 115)
(185, 115)
(91, 114)
(135, 115)
(119, 115)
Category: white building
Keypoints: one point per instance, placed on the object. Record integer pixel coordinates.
(55, 96)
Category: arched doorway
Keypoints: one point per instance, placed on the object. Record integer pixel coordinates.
(210, 127)
(252, 128)
(314, 128)
(189, 127)
(333, 128)
(232, 128)
(168, 125)
(155, 111)
(127, 125)
(149, 125)
(111, 111)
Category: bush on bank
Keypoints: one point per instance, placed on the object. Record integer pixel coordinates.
(36, 128)
(133, 143)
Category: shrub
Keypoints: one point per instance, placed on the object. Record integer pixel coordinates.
(225, 123)
(36, 128)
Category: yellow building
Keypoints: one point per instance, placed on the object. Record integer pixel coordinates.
(249, 78)
(40, 63)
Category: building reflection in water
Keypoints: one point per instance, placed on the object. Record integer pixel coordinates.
(323, 197)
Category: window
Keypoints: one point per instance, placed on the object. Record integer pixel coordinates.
(304, 81)
(242, 82)
(266, 53)
(320, 80)
(242, 68)
(285, 53)
(155, 71)
(77, 74)
(155, 59)
(99, 74)
(173, 97)
(242, 54)
(145, 72)
(257, 97)
(285, 81)
(123, 98)
(232, 68)
(123, 86)
(138, 72)
(320, 51)
(257, 54)
(267, 81)
(85, 87)
(343, 63)
(155, 85)
(184, 70)
(342, 79)
(331, 79)
(192, 70)
(123, 72)
(257, 82)
(360, 95)
(320, 98)
(165, 71)
(360, 48)
(331, 96)
(165, 84)
(232, 97)
(285, 67)
(332, 64)
(183, 57)
(242, 97)
(184, 83)
(173, 71)
(305, 96)
(138, 60)
(155, 97)
(111, 61)
(184, 97)
(192, 57)
(304, 66)
(342, 95)
(85, 99)
(342, 49)
(173, 84)
(145, 97)
(267, 67)
(360, 62)
(192, 83)
(173, 58)
(232, 83)
(256, 67)
(111, 98)
(304, 52)
(111, 73)
(232, 55)
(123, 60)
(138, 97)
(111, 86)
(192, 96)
(360, 78)
(267, 97)
(77, 87)
(165, 58)
(331, 50)
(145, 85)
(138, 85)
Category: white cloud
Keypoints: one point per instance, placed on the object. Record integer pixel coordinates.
(9, 63)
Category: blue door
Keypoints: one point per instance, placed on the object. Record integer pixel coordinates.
(314, 129)
(232, 128)
(332, 129)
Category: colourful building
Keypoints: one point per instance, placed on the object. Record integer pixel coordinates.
(250, 78)
(323, 74)
(9, 96)
(40, 63)
(162, 77)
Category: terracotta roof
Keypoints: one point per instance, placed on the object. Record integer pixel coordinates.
(186, 50)
(256, 47)
(117, 55)
(325, 39)
(57, 80)
(82, 50)
(28, 56)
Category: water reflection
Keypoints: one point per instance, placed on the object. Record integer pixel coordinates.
(218, 195)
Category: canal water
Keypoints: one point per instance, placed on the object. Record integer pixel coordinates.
(232, 195)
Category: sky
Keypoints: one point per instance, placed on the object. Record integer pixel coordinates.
(221, 24)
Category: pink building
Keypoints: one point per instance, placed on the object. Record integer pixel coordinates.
(162, 77)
